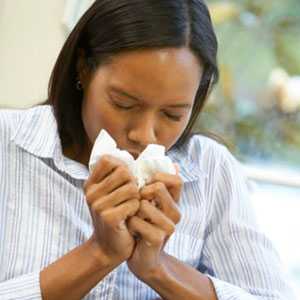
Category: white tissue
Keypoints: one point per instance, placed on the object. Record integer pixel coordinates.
(105, 144)
(150, 161)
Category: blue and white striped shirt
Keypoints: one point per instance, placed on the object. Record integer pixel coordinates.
(44, 215)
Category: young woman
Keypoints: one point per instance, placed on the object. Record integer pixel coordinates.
(142, 70)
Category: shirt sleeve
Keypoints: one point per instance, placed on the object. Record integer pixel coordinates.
(238, 258)
(24, 287)
(27, 286)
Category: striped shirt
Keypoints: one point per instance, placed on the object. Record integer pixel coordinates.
(44, 215)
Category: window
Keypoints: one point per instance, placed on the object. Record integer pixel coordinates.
(256, 110)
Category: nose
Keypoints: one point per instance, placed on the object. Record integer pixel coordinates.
(143, 131)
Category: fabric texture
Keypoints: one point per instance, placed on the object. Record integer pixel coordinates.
(44, 215)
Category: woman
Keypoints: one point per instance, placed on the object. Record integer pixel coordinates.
(141, 70)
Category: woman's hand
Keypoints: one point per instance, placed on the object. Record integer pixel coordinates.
(154, 223)
(112, 196)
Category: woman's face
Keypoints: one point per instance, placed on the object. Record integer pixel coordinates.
(142, 97)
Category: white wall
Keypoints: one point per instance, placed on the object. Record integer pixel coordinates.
(31, 36)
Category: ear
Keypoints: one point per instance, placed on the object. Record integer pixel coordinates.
(82, 68)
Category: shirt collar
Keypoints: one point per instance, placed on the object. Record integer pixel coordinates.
(37, 133)
(188, 169)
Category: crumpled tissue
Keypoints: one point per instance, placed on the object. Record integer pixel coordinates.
(150, 161)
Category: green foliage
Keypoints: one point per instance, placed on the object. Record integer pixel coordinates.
(265, 36)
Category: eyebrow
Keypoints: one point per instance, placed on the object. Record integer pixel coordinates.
(120, 92)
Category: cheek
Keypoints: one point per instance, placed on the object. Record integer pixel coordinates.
(88, 119)
(97, 116)
(170, 135)
(182, 127)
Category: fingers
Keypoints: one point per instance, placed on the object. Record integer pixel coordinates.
(125, 192)
(153, 215)
(173, 183)
(162, 197)
(115, 217)
(103, 168)
(114, 180)
(150, 234)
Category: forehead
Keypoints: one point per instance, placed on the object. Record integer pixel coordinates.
(170, 73)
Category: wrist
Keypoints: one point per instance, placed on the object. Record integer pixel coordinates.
(102, 257)
(157, 274)
(175, 280)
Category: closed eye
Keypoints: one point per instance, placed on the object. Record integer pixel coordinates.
(128, 107)
(123, 106)
(173, 117)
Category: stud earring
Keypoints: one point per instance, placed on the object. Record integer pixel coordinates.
(78, 85)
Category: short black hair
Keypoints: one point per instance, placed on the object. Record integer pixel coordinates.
(110, 27)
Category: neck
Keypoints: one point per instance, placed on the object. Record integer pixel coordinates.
(74, 153)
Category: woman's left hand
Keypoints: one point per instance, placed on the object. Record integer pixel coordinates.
(154, 223)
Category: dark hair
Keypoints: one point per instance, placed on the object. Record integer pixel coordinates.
(110, 27)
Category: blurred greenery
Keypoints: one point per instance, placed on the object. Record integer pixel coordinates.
(255, 38)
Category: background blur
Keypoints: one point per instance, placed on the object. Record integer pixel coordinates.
(255, 108)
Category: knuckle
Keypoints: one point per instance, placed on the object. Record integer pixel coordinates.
(123, 172)
(143, 205)
(159, 186)
(135, 203)
(132, 221)
(95, 207)
(108, 181)
(110, 161)
(159, 238)
(133, 190)
(176, 216)
(114, 160)
(107, 218)
(89, 198)
(145, 192)
(134, 206)
(171, 229)
(179, 183)
(90, 194)
(98, 206)
(106, 159)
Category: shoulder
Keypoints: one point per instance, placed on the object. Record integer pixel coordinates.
(205, 151)
(11, 120)
(211, 158)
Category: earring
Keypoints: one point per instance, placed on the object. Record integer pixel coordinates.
(78, 85)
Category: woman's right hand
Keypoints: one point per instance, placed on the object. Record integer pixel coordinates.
(112, 196)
